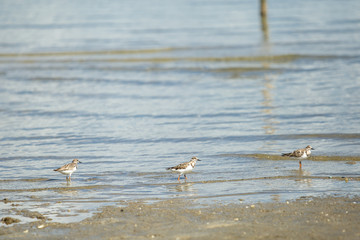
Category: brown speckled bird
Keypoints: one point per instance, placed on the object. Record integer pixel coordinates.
(68, 169)
(185, 167)
(300, 153)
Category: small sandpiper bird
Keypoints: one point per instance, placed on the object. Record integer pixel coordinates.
(68, 169)
(185, 167)
(300, 153)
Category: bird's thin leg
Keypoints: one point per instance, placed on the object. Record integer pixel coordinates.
(179, 178)
(185, 176)
(300, 165)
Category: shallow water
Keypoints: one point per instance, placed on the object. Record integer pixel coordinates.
(133, 93)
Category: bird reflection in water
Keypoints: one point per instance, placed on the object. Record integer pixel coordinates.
(185, 188)
(303, 177)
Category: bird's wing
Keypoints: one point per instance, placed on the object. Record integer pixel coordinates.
(297, 153)
(180, 166)
(65, 167)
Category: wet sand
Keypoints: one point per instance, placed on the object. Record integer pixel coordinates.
(304, 218)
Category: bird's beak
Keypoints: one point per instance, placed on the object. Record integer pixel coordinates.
(312, 148)
(199, 160)
(80, 162)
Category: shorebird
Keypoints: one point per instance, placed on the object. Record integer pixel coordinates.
(68, 169)
(185, 167)
(300, 153)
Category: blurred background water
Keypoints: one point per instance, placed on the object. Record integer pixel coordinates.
(133, 87)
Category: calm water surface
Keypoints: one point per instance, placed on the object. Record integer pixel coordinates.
(132, 88)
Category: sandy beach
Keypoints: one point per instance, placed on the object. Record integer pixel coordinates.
(304, 218)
